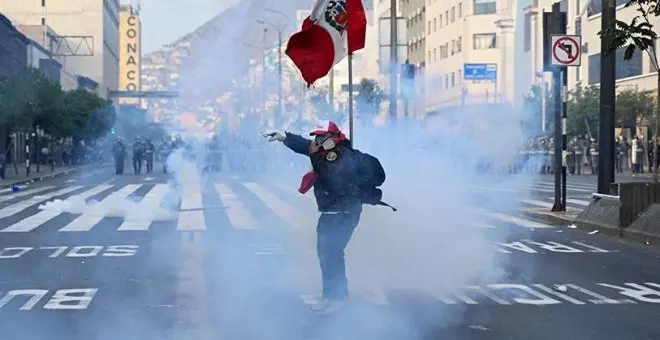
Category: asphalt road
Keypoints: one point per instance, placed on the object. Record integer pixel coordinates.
(237, 262)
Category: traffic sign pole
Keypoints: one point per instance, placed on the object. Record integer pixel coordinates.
(558, 27)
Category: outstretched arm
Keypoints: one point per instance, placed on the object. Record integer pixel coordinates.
(297, 143)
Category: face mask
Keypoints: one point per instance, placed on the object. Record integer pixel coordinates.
(326, 142)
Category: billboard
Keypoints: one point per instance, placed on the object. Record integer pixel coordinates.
(129, 54)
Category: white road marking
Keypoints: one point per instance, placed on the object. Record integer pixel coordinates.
(150, 205)
(578, 202)
(513, 220)
(25, 193)
(38, 219)
(89, 219)
(189, 219)
(191, 291)
(278, 206)
(237, 213)
(22, 205)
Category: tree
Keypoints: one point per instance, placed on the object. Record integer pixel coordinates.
(634, 107)
(583, 111)
(369, 97)
(640, 35)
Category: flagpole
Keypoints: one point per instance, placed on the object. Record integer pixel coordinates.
(350, 98)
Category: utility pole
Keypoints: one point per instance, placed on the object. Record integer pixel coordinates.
(394, 62)
(263, 74)
(279, 75)
(607, 104)
(555, 23)
(331, 91)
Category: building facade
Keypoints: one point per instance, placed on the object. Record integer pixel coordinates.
(96, 58)
(130, 54)
(461, 32)
(13, 48)
(584, 19)
(414, 11)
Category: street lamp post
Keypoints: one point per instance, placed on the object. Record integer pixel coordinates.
(279, 64)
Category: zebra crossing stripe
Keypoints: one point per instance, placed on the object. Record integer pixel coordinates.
(238, 215)
(192, 220)
(277, 205)
(22, 205)
(36, 220)
(152, 199)
(89, 219)
(25, 193)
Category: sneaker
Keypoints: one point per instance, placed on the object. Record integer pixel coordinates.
(325, 306)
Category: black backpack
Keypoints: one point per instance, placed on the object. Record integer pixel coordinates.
(370, 193)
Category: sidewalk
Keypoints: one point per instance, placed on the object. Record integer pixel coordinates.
(44, 172)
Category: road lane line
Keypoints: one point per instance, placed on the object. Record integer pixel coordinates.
(191, 216)
(512, 219)
(25, 193)
(150, 203)
(237, 213)
(277, 205)
(89, 219)
(578, 202)
(22, 205)
(36, 220)
(191, 290)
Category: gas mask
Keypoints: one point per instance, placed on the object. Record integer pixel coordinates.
(327, 142)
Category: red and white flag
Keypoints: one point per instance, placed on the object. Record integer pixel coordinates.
(333, 29)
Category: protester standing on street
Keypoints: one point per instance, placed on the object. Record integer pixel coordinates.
(343, 179)
(149, 150)
(138, 155)
(119, 154)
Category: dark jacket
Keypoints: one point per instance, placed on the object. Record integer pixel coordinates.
(337, 188)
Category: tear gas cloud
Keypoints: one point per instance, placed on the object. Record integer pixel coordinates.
(435, 242)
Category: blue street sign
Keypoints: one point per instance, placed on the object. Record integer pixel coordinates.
(480, 71)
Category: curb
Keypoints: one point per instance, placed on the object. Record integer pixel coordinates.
(620, 233)
(51, 175)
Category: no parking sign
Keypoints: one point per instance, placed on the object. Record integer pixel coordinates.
(566, 50)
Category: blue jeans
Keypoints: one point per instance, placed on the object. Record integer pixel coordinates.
(333, 232)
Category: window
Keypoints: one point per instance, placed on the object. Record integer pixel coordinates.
(446, 81)
(435, 26)
(485, 41)
(43, 21)
(487, 6)
(596, 6)
(435, 55)
(623, 69)
(453, 79)
(430, 57)
(453, 47)
(43, 3)
(440, 20)
(527, 33)
(446, 17)
(453, 14)
(460, 78)
(429, 29)
(459, 45)
(460, 9)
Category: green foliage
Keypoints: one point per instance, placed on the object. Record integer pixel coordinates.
(639, 34)
(634, 107)
(583, 109)
(28, 100)
(369, 97)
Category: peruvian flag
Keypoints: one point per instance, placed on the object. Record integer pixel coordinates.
(334, 29)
